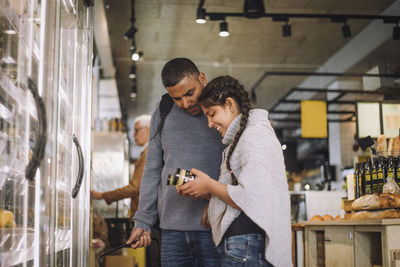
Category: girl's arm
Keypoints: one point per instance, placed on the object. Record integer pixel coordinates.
(203, 185)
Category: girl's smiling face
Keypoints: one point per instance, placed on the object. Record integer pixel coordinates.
(220, 117)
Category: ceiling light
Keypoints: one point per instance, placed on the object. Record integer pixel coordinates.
(396, 32)
(284, 147)
(132, 72)
(137, 55)
(129, 33)
(133, 92)
(286, 30)
(346, 31)
(223, 29)
(11, 32)
(253, 9)
(8, 60)
(201, 16)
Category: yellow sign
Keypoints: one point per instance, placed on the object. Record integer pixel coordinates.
(313, 119)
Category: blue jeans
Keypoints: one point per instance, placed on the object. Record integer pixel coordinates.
(243, 250)
(188, 249)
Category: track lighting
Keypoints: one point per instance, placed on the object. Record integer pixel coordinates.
(133, 92)
(346, 31)
(201, 15)
(136, 55)
(129, 33)
(253, 9)
(286, 30)
(223, 29)
(132, 72)
(396, 32)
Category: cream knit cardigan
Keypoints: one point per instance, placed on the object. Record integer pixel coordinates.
(262, 192)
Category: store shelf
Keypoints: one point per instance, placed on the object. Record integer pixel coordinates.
(18, 95)
(16, 246)
(63, 239)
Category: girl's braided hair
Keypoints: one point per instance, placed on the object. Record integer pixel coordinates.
(215, 94)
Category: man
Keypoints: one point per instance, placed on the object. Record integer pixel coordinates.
(185, 142)
(141, 133)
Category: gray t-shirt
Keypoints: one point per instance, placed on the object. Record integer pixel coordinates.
(186, 142)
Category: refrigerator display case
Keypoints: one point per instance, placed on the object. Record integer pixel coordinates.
(45, 132)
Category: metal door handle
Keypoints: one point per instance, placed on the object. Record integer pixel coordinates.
(38, 151)
(79, 178)
(327, 240)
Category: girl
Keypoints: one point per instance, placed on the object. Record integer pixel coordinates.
(249, 210)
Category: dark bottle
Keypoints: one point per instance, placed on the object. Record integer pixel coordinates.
(397, 164)
(374, 175)
(381, 171)
(357, 180)
(391, 168)
(361, 183)
(367, 175)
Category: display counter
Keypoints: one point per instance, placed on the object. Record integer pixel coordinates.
(349, 243)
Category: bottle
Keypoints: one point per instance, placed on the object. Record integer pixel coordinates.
(374, 175)
(362, 179)
(398, 170)
(381, 175)
(357, 180)
(367, 175)
(391, 168)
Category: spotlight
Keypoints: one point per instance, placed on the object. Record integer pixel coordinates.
(253, 9)
(10, 31)
(284, 147)
(137, 55)
(286, 30)
(133, 92)
(346, 31)
(201, 15)
(132, 72)
(223, 29)
(129, 33)
(396, 32)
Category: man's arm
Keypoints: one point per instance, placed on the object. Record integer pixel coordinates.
(147, 213)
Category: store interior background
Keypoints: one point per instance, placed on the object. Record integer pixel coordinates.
(167, 29)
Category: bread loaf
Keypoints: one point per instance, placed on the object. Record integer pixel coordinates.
(327, 217)
(379, 214)
(316, 218)
(381, 146)
(375, 202)
(390, 146)
(396, 146)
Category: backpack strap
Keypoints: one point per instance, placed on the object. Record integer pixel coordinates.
(165, 107)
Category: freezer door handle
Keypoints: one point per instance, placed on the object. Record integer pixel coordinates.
(79, 179)
(38, 151)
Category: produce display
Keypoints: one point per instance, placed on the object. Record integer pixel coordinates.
(6, 219)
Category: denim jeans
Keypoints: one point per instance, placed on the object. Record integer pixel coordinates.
(243, 250)
(188, 249)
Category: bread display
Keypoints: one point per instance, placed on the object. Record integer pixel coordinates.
(376, 202)
(380, 214)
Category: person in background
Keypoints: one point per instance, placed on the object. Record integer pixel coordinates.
(141, 133)
(249, 211)
(184, 142)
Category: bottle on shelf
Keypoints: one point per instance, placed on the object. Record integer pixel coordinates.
(357, 180)
(367, 175)
(381, 171)
(374, 175)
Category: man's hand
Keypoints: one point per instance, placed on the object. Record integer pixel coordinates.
(204, 218)
(96, 195)
(142, 238)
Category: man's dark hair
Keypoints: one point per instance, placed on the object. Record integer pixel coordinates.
(177, 69)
